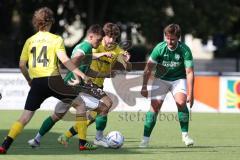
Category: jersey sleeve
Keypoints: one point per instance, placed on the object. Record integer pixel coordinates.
(155, 55)
(188, 58)
(82, 48)
(86, 49)
(59, 47)
(24, 54)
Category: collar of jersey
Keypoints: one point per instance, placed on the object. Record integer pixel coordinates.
(174, 48)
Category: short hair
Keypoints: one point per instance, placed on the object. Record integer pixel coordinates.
(95, 29)
(173, 29)
(111, 30)
(42, 18)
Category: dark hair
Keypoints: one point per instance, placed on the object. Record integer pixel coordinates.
(111, 29)
(42, 18)
(95, 29)
(173, 29)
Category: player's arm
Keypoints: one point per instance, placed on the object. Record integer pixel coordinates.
(23, 62)
(71, 66)
(24, 70)
(190, 85)
(124, 60)
(146, 75)
(94, 74)
(188, 63)
(98, 55)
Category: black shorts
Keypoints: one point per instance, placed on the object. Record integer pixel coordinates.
(45, 87)
(93, 90)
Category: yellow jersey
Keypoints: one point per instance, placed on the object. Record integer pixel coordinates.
(40, 52)
(104, 64)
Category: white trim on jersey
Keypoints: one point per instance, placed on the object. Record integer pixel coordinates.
(174, 48)
(78, 51)
(151, 60)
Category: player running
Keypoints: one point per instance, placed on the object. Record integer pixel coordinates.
(41, 53)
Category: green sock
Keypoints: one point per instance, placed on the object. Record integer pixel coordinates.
(151, 118)
(101, 122)
(183, 117)
(46, 126)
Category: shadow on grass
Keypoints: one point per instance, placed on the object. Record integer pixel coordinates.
(50, 146)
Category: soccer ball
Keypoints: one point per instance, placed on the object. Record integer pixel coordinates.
(115, 139)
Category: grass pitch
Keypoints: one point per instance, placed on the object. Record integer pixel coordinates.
(216, 136)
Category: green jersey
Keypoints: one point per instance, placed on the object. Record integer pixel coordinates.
(85, 48)
(174, 61)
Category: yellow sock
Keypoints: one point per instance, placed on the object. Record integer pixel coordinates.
(71, 131)
(68, 134)
(81, 124)
(91, 117)
(16, 128)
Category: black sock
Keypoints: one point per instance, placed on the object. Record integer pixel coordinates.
(82, 142)
(7, 142)
(72, 130)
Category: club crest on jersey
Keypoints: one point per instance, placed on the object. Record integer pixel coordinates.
(177, 57)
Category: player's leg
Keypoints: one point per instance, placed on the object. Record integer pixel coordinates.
(157, 98)
(33, 102)
(16, 129)
(91, 116)
(97, 99)
(60, 110)
(150, 121)
(64, 138)
(101, 120)
(81, 126)
(179, 92)
(66, 94)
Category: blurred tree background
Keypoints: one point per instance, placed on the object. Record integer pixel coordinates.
(142, 22)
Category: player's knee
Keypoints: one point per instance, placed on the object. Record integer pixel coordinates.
(57, 116)
(107, 102)
(103, 109)
(61, 108)
(155, 105)
(80, 110)
(181, 104)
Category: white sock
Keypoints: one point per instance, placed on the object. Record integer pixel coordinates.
(99, 135)
(38, 137)
(184, 134)
(146, 138)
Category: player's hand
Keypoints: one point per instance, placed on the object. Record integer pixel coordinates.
(108, 54)
(73, 81)
(126, 56)
(144, 91)
(87, 80)
(190, 100)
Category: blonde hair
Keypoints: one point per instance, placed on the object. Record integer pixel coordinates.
(173, 29)
(42, 18)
